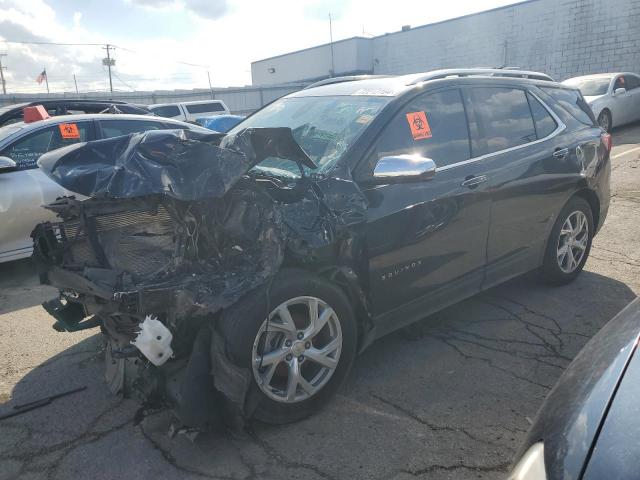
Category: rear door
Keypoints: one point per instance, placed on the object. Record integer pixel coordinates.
(426, 239)
(516, 149)
(24, 190)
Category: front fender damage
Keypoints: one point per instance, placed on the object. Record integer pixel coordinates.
(177, 228)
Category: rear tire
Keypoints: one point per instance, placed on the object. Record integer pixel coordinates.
(286, 351)
(604, 120)
(569, 243)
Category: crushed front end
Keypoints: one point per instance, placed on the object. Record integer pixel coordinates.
(174, 232)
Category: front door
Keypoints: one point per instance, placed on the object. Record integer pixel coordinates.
(426, 239)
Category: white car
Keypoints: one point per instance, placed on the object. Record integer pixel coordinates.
(190, 111)
(613, 97)
(24, 188)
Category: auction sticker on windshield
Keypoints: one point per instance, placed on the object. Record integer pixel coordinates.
(419, 125)
(69, 130)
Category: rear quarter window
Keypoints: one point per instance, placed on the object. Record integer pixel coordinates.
(544, 122)
(573, 102)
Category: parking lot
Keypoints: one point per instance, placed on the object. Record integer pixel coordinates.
(449, 397)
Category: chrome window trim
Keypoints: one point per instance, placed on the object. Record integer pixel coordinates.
(560, 128)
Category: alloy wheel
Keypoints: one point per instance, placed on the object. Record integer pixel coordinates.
(572, 242)
(297, 349)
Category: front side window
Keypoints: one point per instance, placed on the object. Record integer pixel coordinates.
(116, 128)
(205, 107)
(571, 100)
(325, 127)
(503, 116)
(632, 82)
(433, 125)
(26, 151)
(168, 111)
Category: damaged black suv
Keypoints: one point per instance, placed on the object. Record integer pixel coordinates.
(236, 276)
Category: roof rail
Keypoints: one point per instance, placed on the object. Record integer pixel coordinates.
(486, 72)
(346, 78)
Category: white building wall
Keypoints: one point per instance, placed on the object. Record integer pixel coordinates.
(563, 38)
(349, 56)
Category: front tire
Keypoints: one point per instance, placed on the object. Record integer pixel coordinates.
(298, 338)
(604, 120)
(569, 243)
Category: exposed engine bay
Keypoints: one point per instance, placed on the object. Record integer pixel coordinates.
(178, 227)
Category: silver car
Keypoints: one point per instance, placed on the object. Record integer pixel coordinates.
(24, 188)
(613, 97)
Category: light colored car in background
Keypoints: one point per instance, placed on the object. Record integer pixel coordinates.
(24, 188)
(189, 111)
(613, 97)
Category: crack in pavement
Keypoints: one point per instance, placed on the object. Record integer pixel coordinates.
(87, 437)
(273, 453)
(171, 460)
(499, 467)
(432, 426)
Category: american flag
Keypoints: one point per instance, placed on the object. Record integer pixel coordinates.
(41, 78)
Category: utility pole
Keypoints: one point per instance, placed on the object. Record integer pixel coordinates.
(210, 88)
(2, 69)
(333, 69)
(109, 63)
(75, 82)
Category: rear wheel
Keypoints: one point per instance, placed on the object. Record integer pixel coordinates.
(604, 120)
(569, 243)
(300, 352)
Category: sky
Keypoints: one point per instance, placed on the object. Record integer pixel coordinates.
(172, 44)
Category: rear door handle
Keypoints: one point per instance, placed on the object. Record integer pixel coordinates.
(474, 181)
(561, 152)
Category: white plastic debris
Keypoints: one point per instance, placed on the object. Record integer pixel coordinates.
(154, 341)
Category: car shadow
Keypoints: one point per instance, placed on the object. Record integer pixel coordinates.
(626, 134)
(20, 287)
(480, 367)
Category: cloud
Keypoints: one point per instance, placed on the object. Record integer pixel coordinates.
(208, 9)
(77, 17)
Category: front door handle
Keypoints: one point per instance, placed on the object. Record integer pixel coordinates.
(561, 152)
(474, 181)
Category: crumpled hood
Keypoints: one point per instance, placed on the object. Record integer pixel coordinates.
(183, 164)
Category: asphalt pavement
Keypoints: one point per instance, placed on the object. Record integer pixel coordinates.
(450, 397)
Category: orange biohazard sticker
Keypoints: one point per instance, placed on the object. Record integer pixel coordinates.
(69, 130)
(419, 125)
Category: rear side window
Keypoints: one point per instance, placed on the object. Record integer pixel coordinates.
(504, 118)
(433, 125)
(572, 102)
(115, 128)
(544, 122)
(205, 107)
(26, 151)
(168, 111)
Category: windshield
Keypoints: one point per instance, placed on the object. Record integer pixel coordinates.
(325, 127)
(592, 87)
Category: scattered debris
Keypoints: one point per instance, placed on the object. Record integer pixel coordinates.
(27, 407)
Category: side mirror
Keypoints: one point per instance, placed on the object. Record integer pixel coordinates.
(7, 164)
(401, 168)
(619, 91)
